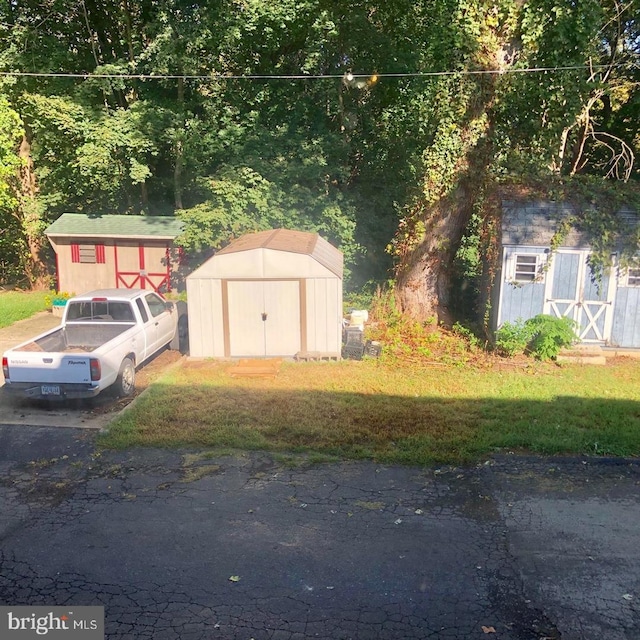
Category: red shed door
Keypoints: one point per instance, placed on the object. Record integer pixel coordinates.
(134, 270)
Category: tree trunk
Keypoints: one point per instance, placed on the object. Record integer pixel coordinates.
(425, 269)
(29, 216)
(423, 278)
(455, 180)
(179, 150)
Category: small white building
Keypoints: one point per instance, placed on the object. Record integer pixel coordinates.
(267, 294)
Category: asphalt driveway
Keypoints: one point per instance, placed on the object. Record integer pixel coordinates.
(186, 545)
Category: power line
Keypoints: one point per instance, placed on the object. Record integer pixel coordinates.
(218, 77)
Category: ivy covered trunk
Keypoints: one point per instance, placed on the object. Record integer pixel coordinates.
(455, 186)
(423, 282)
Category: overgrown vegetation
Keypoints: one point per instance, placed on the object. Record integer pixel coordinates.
(541, 336)
(412, 414)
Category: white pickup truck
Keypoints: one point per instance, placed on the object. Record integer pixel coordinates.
(103, 337)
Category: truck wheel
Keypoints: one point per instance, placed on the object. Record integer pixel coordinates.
(125, 383)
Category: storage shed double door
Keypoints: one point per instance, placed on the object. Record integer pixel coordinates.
(573, 291)
(262, 317)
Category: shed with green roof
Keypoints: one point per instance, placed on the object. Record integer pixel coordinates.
(104, 251)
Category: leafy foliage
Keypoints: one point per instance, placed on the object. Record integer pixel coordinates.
(512, 338)
(543, 336)
(549, 334)
(11, 247)
(355, 140)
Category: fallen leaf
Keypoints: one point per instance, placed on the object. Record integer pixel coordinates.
(488, 629)
(234, 578)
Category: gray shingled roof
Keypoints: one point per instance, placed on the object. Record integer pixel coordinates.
(535, 223)
(115, 226)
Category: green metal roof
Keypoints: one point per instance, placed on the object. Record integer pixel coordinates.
(115, 226)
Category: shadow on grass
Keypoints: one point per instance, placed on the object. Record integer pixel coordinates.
(387, 428)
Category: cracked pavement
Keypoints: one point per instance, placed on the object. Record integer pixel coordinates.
(180, 544)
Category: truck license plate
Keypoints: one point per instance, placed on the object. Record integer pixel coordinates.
(50, 389)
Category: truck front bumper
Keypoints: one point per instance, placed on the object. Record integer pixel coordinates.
(51, 391)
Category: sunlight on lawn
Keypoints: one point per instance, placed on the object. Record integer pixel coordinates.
(413, 415)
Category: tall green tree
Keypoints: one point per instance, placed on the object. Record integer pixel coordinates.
(11, 233)
(318, 115)
(518, 124)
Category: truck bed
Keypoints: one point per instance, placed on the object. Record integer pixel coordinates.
(78, 338)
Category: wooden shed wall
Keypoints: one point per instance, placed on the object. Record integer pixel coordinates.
(79, 277)
(117, 271)
(518, 300)
(626, 318)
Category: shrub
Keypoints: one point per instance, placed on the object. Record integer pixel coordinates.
(543, 336)
(468, 335)
(549, 334)
(512, 338)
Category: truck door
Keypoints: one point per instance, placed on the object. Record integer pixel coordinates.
(162, 320)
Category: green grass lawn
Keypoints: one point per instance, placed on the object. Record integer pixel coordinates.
(17, 305)
(399, 414)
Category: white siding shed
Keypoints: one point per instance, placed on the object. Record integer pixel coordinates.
(267, 294)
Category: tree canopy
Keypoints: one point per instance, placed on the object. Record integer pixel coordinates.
(385, 125)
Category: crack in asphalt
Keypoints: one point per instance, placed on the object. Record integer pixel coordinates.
(355, 550)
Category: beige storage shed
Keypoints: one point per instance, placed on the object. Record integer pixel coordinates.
(267, 294)
(95, 251)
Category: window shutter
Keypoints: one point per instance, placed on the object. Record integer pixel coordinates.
(100, 254)
(75, 252)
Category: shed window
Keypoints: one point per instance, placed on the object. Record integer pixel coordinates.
(87, 253)
(633, 276)
(526, 267)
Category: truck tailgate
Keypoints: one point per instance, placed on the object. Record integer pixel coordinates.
(48, 368)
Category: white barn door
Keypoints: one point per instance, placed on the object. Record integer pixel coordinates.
(264, 317)
(571, 291)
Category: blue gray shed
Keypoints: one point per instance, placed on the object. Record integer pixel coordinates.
(533, 280)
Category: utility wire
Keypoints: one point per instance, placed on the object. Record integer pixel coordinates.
(214, 76)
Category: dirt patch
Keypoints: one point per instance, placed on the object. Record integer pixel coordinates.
(106, 403)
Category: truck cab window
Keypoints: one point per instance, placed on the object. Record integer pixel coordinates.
(156, 304)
